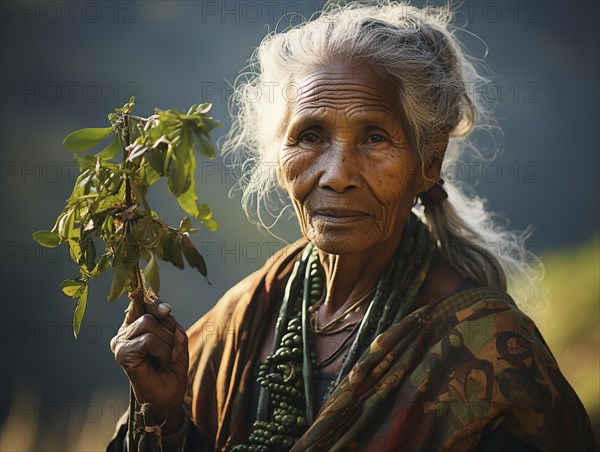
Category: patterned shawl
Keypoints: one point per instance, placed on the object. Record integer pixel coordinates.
(441, 378)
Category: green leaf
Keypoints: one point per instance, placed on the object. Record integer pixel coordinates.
(179, 178)
(75, 250)
(145, 254)
(47, 238)
(210, 224)
(108, 226)
(79, 188)
(90, 254)
(185, 225)
(209, 123)
(151, 274)
(89, 224)
(111, 150)
(200, 108)
(119, 281)
(187, 201)
(72, 288)
(139, 230)
(102, 265)
(149, 175)
(156, 159)
(204, 212)
(205, 217)
(116, 183)
(183, 165)
(140, 198)
(136, 151)
(206, 148)
(167, 160)
(87, 162)
(169, 249)
(159, 248)
(192, 256)
(174, 252)
(65, 224)
(79, 311)
(84, 139)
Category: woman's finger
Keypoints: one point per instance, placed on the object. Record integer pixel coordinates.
(159, 310)
(157, 348)
(162, 312)
(180, 342)
(149, 324)
(132, 353)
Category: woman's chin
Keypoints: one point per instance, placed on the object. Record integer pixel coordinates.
(341, 243)
(343, 237)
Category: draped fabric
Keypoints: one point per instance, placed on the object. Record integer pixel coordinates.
(441, 378)
(224, 345)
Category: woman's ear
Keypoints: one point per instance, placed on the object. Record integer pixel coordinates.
(434, 167)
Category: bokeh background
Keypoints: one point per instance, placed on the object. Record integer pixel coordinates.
(65, 65)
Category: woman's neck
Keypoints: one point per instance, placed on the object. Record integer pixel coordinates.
(349, 277)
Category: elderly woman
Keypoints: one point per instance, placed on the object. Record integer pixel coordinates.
(388, 326)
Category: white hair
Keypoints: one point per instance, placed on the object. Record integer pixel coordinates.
(437, 84)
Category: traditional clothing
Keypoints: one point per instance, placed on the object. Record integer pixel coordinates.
(444, 377)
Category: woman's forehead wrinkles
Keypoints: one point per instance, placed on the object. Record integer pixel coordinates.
(348, 92)
(340, 89)
(349, 108)
(350, 104)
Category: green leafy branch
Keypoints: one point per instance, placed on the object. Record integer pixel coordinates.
(109, 201)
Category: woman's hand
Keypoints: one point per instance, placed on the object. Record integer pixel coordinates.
(153, 352)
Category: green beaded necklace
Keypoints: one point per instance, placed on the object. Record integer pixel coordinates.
(285, 405)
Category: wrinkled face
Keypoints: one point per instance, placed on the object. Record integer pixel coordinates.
(345, 160)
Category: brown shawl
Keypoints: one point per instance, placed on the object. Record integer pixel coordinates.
(441, 378)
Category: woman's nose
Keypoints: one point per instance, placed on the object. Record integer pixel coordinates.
(341, 169)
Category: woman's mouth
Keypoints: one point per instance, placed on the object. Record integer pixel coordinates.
(339, 216)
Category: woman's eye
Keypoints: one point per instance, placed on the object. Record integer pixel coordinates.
(310, 138)
(376, 138)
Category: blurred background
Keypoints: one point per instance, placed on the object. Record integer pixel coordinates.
(66, 65)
